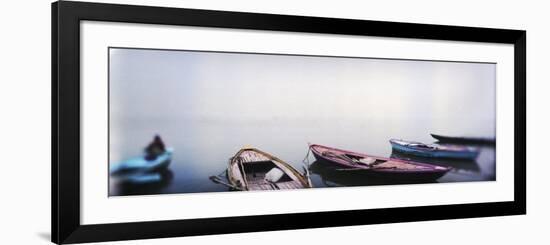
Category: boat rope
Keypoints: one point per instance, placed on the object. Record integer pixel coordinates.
(217, 180)
(223, 173)
(306, 158)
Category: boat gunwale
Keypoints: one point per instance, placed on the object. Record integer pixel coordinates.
(432, 167)
(437, 148)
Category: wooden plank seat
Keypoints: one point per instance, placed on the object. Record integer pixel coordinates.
(288, 185)
(260, 187)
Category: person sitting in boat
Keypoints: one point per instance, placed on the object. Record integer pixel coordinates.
(154, 149)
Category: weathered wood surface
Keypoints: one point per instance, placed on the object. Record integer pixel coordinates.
(241, 171)
(288, 185)
(252, 156)
(264, 185)
(398, 165)
(260, 187)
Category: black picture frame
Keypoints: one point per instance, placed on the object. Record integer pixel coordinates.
(66, 17)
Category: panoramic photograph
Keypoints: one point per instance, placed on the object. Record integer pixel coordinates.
(185, 121)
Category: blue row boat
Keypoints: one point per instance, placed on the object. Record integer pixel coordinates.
(139, 166)
(434, 150)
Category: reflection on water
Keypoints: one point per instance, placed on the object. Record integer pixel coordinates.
(186, 174)
(326, 175)
(125, 188)
(456, 164)
(209, 105)
(482, 168)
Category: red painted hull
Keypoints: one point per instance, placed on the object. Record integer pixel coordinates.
(399, 170)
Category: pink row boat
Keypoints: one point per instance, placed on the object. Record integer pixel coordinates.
(378, 167)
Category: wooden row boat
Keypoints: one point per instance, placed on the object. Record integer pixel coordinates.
(462, 140)
(252, 169)
(434, 150)
(377, 167)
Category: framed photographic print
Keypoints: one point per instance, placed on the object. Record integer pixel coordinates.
(176, 122)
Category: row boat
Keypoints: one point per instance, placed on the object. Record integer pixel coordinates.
(434, 150)
(252, 169)
(457, 164)
(462, 140)
(136, 168)
(377, 167)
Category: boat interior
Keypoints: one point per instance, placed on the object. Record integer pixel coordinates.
(376, 163)
(261, 173)
(370, 161)
(354, 159)
(256, 171)
(255, 174)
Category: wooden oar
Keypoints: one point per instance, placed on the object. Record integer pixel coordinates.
(217, 180)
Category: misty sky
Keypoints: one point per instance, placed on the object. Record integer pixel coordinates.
(344, 96)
